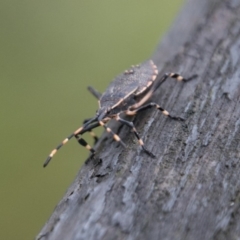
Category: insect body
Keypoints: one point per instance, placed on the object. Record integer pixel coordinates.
(128, 94)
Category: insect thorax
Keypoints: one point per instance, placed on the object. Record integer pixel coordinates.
(114, 106)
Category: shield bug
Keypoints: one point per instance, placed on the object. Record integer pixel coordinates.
(128, 94)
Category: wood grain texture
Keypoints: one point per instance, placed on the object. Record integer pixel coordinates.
(191, 190)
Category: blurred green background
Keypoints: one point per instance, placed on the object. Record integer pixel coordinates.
(50, 52)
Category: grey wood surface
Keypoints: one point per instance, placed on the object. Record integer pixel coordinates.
(191, 190)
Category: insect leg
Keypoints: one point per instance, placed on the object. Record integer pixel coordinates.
(177, 76)
(115, 136)
(157, 83)
(131, 125)
(83, 143)
(150, 105)
(94, 92)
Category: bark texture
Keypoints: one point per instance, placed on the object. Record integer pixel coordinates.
(191, 190)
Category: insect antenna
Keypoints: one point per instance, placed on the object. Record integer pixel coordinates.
(93, 135)
(81, 130)
(57, 148)
(94, 92)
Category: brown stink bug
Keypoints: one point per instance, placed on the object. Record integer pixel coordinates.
(128, 94)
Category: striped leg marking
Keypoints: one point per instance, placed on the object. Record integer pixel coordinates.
(82, 142)
(178, 77)
(115, 136)
(140, 141)
(157, 83)
(150, 105)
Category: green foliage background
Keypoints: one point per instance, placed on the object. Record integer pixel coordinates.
(50, 52)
